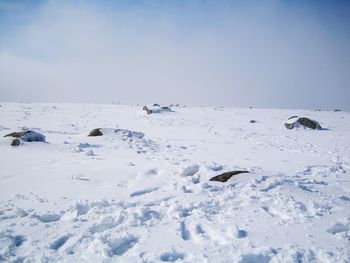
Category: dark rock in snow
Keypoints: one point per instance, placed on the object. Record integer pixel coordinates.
(156, 105)
(15, 142)
(308, 123)
(292, 117)
(225, 176)
(95, 132)
(16, 134)
(295, 122)
(252, 121)
(147, 110)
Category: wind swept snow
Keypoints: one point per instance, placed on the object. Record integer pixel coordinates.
(142, 191)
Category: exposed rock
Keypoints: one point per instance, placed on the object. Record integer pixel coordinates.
(147, 110)
(336, 110)
(16, 134)
(15, 142)
(225, 176)
(295, 122)
(308, 123)
(292, 117)
(166, 108)
(252, 121)
(96, 132)
(156, 105)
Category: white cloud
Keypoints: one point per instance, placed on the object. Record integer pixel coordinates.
(253, 55)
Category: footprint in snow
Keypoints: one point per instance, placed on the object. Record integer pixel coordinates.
(249, 258)
(171, 256)
(59, 242)
(144, 191)
(119, 246)
(185, 234)
(48, 218)
(339, 228)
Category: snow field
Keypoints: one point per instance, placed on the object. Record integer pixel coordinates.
(143, 194)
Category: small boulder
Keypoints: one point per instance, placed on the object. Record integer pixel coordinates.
(145, 108)
(296, 122)
(252, 121)
(156, 105)
(96, 132)
(15, 142)
(225, 176)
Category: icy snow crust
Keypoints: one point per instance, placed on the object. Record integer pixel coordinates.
(143, 194)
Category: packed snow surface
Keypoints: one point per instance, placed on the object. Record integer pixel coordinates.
(142, 194)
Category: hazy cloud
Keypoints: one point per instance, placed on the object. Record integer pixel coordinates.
(264, 54)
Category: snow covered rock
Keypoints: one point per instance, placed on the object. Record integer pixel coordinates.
(296, 122)
(225, 176)
(27, 136)
(32, 136)
(156, 109)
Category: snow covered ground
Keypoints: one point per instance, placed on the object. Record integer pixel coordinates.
(131, 197)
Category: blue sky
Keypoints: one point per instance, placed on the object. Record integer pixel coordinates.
(286, 54)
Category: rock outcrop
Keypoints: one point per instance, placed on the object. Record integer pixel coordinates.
(15, 142)
(96, 132)
(296, 122)
(27, 136)
(225, 176)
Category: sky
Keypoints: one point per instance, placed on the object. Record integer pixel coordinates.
(270, 54)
